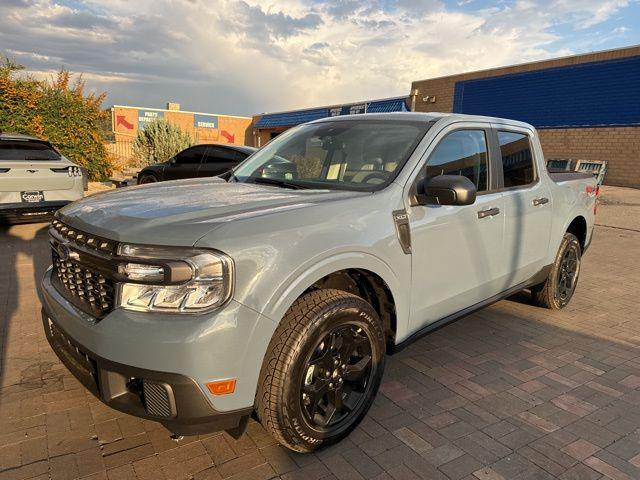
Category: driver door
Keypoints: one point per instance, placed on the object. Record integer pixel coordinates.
(185, 164)
(457, 251)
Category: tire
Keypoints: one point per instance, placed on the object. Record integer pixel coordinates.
(555, 293)
(147, 178)
(296, 390)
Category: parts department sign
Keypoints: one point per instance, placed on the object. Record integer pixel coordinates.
(146, 116)
(205, 121)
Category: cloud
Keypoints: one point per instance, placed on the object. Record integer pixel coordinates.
(250, 56)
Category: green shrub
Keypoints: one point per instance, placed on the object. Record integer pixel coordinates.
(58, 111)
(158, 141)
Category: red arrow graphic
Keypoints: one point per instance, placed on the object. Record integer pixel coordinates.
(120, 120)
(230, 138)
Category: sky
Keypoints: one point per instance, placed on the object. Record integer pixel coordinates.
(242, 57)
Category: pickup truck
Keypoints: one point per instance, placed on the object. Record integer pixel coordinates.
(201, 303)
(35, 180)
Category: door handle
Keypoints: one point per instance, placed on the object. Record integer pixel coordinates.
(540, 201)
(488, 213)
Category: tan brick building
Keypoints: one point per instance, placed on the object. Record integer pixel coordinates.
(586, 107)
(203, 127)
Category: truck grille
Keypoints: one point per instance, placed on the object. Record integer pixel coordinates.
(82, 284)
(90, 291)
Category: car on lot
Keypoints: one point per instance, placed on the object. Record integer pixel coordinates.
(206, 160)
(277, 291)
(35, 180)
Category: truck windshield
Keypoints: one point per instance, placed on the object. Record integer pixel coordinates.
(17, 150)
(347, 154)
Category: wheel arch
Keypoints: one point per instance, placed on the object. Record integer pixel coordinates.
(578, 227)
(359, 273)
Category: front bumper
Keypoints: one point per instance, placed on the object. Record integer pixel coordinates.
(157, 366)
(29, 212)
(173, 400)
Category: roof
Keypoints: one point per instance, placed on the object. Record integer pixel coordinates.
(296, 117)
(428, 117)
(19, 136)
(150, 109)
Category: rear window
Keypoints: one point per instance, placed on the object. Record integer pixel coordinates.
(17, 150)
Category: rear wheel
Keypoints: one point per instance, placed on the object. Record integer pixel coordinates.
(556, 291)
(322, 370)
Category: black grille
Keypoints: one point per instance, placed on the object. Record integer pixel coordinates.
(88, 290)
(156, 399)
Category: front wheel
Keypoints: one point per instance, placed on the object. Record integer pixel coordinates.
(148, 178)
(556, 291)
(322, 370)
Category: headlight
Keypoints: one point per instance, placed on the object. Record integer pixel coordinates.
(173, 279)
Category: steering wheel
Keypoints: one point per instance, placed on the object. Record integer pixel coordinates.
(375, 176)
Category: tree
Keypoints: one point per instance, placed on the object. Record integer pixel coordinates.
(57, 110)
(158, 141)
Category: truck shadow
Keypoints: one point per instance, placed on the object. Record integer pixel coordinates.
(24, 257)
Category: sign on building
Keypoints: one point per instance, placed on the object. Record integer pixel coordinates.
(146, 116)
(201, 120)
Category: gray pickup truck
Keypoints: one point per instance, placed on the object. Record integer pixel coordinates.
(277, 290)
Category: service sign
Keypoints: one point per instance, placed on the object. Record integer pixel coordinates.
(205, 121)
(146, 116)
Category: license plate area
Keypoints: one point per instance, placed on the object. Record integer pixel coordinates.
(32, 196)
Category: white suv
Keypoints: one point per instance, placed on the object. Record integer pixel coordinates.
(35, 180)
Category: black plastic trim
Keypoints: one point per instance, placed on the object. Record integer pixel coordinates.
(536, 279)
(193, 413)
(21, 211)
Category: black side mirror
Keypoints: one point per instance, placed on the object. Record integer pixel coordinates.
(446, 190)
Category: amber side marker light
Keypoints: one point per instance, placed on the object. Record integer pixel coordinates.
(222, 387)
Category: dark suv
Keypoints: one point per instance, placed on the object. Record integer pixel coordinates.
(197, 161)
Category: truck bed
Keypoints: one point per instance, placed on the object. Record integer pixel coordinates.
(559, 176)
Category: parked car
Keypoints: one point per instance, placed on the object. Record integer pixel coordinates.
(35, 180)
(198, 161)
(204, 302)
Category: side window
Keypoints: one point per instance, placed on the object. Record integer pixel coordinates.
(220, 155)
(517, 159)
(461, 153)
(191, 155)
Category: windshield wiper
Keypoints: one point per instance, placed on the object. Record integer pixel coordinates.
(278, 183)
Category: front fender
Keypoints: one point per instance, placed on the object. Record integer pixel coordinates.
(306, 275)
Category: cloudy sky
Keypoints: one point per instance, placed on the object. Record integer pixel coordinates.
(246, 56)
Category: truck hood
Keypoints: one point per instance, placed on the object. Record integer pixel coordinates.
(181, 212)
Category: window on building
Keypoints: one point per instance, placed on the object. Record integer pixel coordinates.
(463, 152)
(517, 159)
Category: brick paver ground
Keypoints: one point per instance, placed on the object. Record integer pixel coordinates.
(512, 392)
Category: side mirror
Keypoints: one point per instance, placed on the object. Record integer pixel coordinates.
(446, 190)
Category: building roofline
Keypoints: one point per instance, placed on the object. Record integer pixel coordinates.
(404, 97)
(179, 111)
(534, 62)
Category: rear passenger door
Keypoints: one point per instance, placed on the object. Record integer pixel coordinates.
(527, 204)
(218, 160)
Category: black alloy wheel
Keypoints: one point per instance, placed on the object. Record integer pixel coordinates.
(336, 377)
(322, 370)
(567, 275)
(148, 179)
(558, 289)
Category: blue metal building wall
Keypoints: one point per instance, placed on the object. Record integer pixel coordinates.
(604, 93)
